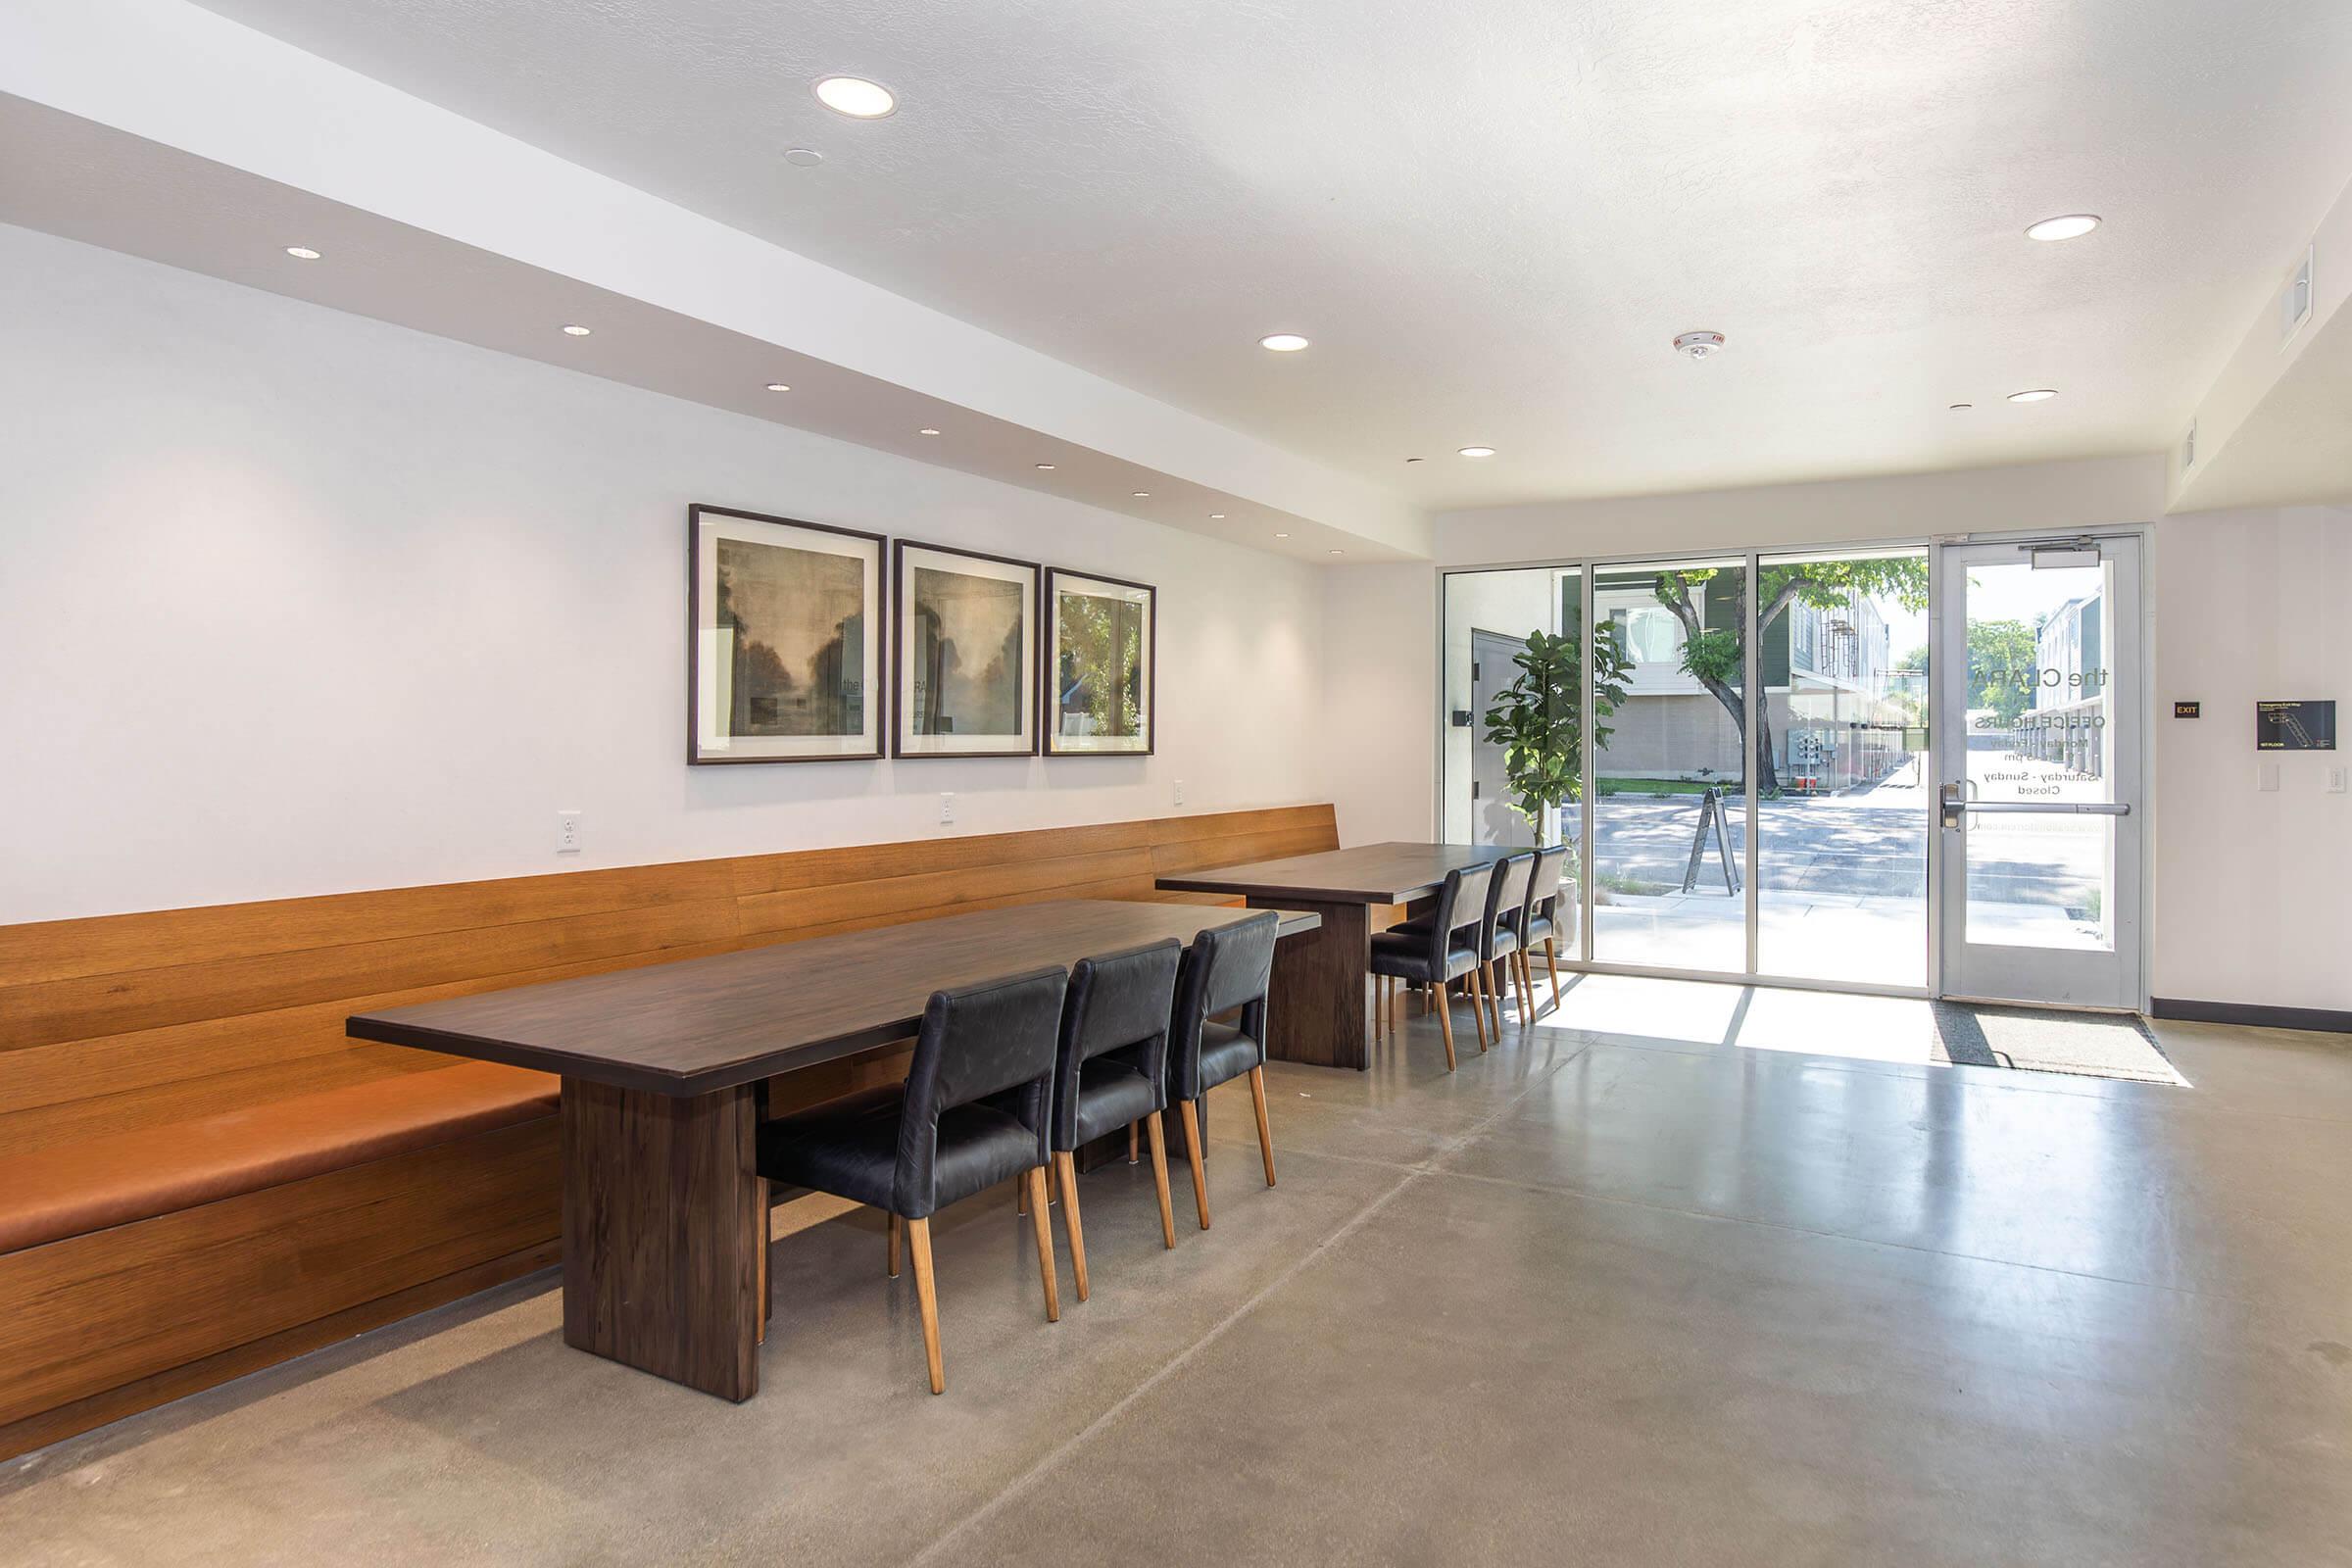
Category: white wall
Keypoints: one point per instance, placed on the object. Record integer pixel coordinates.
(293, 602)
(2253, 890)
(1380, 696)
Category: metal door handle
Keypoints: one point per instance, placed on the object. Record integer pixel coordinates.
(2052, 808)
(1955, 803)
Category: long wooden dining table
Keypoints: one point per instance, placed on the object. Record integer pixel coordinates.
(660, 1069)
(1317, 1005)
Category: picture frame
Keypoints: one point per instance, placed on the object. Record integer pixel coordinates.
(963, 652)
(783, 639)
(1100, 695)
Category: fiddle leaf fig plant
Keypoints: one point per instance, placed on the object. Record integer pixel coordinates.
(1538, 722)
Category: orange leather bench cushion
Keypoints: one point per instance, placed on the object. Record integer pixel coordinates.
(129, 1176)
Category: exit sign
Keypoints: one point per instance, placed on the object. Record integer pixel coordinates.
(2185, 709)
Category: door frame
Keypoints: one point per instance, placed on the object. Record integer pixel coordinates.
(1587, 565)
(1948, 748)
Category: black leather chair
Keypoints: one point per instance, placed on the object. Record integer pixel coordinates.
(1441, 949)
(975, 1109)
(1539, 922)
(1498, 936)
(1226, 968)
(1111, 1071)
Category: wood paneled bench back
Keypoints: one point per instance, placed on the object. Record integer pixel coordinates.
(200, 1175)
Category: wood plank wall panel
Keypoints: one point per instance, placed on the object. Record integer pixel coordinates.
(141, 1021)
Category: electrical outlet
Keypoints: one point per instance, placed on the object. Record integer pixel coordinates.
(946, 807)
(1180, 792)
(2266, 777)
(2335, 781)
(568, 832)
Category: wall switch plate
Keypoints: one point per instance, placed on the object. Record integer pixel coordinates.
(2266, 777)
(568, 832)
(946, 807)
(1180, 792)
(2336, 780)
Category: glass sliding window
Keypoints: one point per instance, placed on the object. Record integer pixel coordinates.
(1512, 734)
(1670, 774)
(1844, 794)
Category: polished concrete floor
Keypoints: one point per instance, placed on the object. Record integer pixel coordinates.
(1624, 1290)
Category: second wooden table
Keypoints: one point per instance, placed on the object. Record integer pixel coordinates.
(1317, 1005)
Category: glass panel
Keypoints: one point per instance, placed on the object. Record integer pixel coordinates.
(1843, 788)
(2038, 732)
(1669, 803)
(1526, 784)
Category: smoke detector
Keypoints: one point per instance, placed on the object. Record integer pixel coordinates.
(1698, 345)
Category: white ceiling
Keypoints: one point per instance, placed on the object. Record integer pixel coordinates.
(1491, 216)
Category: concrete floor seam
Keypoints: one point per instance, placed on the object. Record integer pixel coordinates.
(1022, 1482)
(1784, 1228)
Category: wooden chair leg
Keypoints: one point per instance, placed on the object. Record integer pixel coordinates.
(1036, 1181)
(926, 1297)
(1486, 979)
(891, 1224)
(1191, 1124)
(1552, 961)
(1476, 980)
(767, 1238)
(1131, 1142)
(1159, 1179)
(1065, 1172)
(1446, 1023)
(1527, 980)
(1265, 1136)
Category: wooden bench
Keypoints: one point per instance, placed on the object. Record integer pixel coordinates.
(200, 1175)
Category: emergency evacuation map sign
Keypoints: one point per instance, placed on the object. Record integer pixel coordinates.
(2294, 726)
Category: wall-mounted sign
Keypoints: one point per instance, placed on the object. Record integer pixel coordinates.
(2298, 726)
(2185, 709)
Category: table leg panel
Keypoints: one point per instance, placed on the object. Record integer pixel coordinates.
(1317, 1004)
(661, 1233)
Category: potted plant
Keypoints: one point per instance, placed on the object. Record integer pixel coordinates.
(1539, 722)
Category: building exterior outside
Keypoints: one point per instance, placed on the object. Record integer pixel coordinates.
(1834, 701)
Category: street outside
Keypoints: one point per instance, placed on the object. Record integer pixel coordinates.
(1843, 878)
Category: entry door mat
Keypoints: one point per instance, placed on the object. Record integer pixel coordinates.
(2089, 1044)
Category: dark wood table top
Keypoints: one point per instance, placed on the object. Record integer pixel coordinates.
(701, 1024)
(1370, 873)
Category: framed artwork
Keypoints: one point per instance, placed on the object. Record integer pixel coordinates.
(1101, 635)
(784, 660)
(963, 652)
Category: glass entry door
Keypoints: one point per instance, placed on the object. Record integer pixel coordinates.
(2037, 767)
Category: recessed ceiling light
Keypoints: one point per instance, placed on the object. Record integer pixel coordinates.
(1338, 552)
(302, 252)
(1140, 495)
(1477, 452)
(574, 329)
(1044, 467)
(1960, 405)
(855, 97)
(1217, 517)
(926, 430)
(2073, 226)
(803, 157)
(778, 386)
(2039, 394)
(1282, 536)
(1282, 342)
